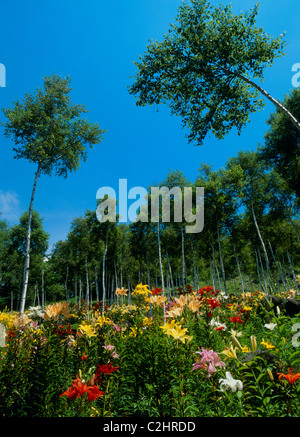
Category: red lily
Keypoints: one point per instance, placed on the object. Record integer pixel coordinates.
(78, 388)
(236, 319)
(107, 369)
(156, 291)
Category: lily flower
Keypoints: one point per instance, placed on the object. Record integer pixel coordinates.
(194, 305)
(209, 361)
(290, 377)
(86, 329)
(168, 326)
(267, 345)
(156, 291)
(121, 291)
(230, 383)
(270, 326)
(78, 388)
(218, 326)
(230, 352)
(141, 289)
(179, 333)
(236, 333)
(158, 300)
(175, 312)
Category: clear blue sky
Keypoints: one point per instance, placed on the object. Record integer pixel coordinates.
(95, 42)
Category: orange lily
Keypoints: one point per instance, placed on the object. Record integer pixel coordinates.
(290, 377)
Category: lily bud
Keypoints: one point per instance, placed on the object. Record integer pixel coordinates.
(236, 342)
(253, 343)
(278, 310)
(270, 374)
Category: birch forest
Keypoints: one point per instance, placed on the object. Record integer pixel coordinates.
(250, 241)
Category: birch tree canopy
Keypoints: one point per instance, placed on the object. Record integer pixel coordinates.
(207, 69)
(49, 130)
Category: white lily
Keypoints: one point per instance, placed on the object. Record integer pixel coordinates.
(236, 333)
(270, 325)
(217, 324)
(230, 383)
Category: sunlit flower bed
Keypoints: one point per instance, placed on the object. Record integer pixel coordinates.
(200, 354)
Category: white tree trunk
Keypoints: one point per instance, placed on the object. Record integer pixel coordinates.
(295, 229)
(87, 294)
(183, 261)
(103, 276)
(148, 269)
(96, 283)
(80, 291)
(161, 270)
(239, 269)
(66, 285)
(293, 119)
(27, 253)
(43, 289)
(75, 280)
(221, 259)
(262, 241)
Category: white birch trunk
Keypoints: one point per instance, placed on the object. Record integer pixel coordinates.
(221, 260)
(103, 276)
(239, 269)
(293, 119)
(261, 240)
(97, 285)
(27, 252)
(295, 229)
(87, 292)
(43, 289)
(161, 270)
(80, 291)
(66, 285)
(183, 261)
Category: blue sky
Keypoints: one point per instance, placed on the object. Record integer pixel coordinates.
(95, 42)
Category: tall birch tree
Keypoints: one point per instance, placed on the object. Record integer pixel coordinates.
(48, 131)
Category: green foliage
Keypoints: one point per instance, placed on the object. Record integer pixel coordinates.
(48, 130)
(281, 149)
(12, 264)
(199, 68)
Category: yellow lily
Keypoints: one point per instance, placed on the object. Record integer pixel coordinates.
(194, 305)
(88, 330)
(247, 308)
(157, 300)
(121, 291)
(174, 312)
(179, 333)
(230, 352)
(168, 326)
(102, 320)
(141, 289)
(267, 345)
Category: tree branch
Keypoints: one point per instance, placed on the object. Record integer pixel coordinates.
(265, 93)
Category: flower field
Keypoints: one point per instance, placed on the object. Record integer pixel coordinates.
(197, 354)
